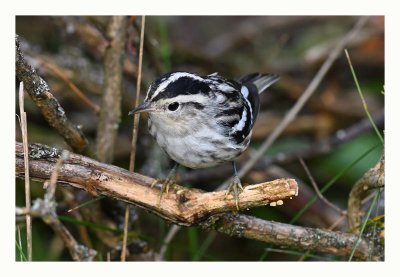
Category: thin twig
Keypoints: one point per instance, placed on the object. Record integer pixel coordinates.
(312, 87)
(50, 186)
(337, 222)
(362, 97)
(26, 166)
(46, 209)
(125, 237)
(168, 238)
(315, 186)
(85, 203)
(134, 135)
(137, 99)
(72, 86)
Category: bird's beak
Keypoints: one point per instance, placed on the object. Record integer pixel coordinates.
(144, 107)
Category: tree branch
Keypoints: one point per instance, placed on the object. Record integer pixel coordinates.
(39, 91)
(286, 235)
(183, 206)
(373, 178)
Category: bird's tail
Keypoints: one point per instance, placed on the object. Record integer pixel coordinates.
(261, 81)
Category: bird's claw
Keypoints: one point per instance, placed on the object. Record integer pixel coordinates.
(235, 188)
(165, 185)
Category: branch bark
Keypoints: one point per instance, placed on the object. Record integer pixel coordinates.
(286, 235)
(373, 178)
(183, 206)
(110, 112)
(52, 111)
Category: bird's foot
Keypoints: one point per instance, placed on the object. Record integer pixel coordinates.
(166, 183)
(235, 188)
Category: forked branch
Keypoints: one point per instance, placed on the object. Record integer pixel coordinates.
(183, 206)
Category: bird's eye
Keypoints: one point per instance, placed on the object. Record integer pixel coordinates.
(173, 106)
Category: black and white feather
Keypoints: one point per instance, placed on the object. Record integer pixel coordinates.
(201, 121)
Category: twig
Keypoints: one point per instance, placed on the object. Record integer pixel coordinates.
(134, 136)
(125, 237)
(137, 99)
(39, 91)
(304, 97)
(110, 112)
(50, 185)
(24, 131)
(315, 186)
(46, 209)
(168, 238)
(70, 200)
(337, 222)
(182, 206)
(362, 97)
(85, 203)
(151, 51)
(373, 178)
(72, 86)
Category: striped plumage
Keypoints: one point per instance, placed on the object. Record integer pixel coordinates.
(202, 121)
(213, 121)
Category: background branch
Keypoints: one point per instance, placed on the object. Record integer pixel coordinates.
(110, 111)
(52, 111)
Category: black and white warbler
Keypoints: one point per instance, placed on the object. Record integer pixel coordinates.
(202, 121)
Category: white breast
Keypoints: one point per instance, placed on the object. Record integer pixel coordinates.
(198, 150)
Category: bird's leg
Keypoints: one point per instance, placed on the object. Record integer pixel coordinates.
(167, 182)
(235, 187)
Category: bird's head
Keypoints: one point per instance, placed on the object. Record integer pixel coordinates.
(176, 99)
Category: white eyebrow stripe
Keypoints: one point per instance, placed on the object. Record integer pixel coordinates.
(173, 78)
